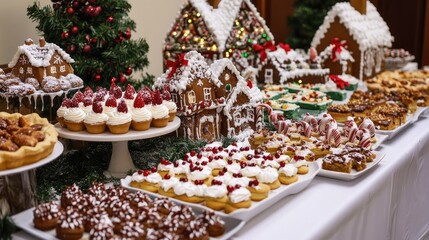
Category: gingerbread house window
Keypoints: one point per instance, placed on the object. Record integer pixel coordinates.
(53, 69)
(191, 97)
(207, 94)
(268, 75)
(237, 118)
(62, 68)
(21, 70)
(29, 70)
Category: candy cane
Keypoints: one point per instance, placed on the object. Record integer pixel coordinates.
(334, 134)
(310, 119)
(352, 133)
(325, 123)
(369, 125)
(365, 139)
(304, 128)
(284, 126)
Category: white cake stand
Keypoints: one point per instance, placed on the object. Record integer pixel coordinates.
(121, 161)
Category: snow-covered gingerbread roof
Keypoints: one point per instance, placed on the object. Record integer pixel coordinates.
(254, 94)
(220, 65)
(196, 68)
(39, 56)
(368, 30)
(220, 20)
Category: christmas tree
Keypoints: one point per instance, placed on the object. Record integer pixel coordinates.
(97, 34)
(305, 21)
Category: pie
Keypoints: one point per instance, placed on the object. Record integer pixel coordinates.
(24, 139)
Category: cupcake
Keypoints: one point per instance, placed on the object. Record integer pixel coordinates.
(141, 116)
(65, 105)
(147, 97)
(119, 122)
(70, 226)
(74, 117)
(269, 176)
(95, 121)
(288, 174)
(46, 216)
(172, 108)
(86, 105)
(159, 111)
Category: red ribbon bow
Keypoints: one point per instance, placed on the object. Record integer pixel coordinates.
(336, 48)
(341, 84)
(285, 47)
(262, 49)
(180, 61)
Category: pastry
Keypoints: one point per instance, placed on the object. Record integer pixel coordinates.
(101, 231)
(269, 176)
(216, 195)
(259, 191)
(214, 224)
(160, 115)
(46, 216)
(151, 180)
(137, 178)
(337, 163)
(65, 105)
(288, 174)
(95, 120)
(141, 116)
(201, 172)
(119, 122)
(339, 112)
(301, 164)
(190, 192)
(239, 197)
(166, 186)
(70, 227)
(171, 106)
(195, 230)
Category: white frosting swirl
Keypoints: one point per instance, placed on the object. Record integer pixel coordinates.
(94, 118)
(233, 168)
(268, 175)
(217, 164)
(167, 184)
(141, 115)
(171, 106)
(239, 195)
(205, 173)
(153, 178)
(181, 168)
(109, 110)
(117, 118)
(288, 170)
(216, 191)
(250, 171)
(75, 115)
(225, 178)
(87, 109)
(273, 164)
(137, 177)
(242, 181)
(187, 188)
(62, 111)
(282, 158)
(159, 111)
(299, 163)
(163, 167)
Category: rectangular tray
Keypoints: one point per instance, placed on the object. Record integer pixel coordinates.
(24, 220)
(380, 139)
(354, 174)
(391, 133)
(257, 207)
(419, 112)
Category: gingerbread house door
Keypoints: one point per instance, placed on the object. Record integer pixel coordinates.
(206, 128)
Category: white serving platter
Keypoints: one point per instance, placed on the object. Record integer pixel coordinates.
(353, 174)
(419, 112)
(380, 139)
(391, 133)
(24, 221)
(257, 207)
(56, 152)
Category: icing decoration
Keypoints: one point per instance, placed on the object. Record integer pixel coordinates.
(285, 47)
(337, 47)
(341, 84)
(180, 61)
(262, 49)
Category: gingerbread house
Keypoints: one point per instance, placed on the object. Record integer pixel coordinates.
(194, 91)
(239, 114)
(365, 31)
(282, 66)
(217, 29)
(337, 58)
(41, 61)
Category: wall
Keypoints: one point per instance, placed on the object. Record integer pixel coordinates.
(153, 19)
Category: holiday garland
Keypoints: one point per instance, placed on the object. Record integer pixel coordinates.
(97, 34)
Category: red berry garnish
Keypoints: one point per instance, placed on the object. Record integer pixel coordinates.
(176, 164)
(146, 173)
(234, 144)
(66, 103)
(229, 161)
(277, 155)
(204, 163)
(282, 163)
(200, 155)
(129, 95)
(112, 88)
(297, 158)
(153, 169)
(216, 182)
(231, 154)
(220, 148)
(97, 107)
(193, 153)
(246, 149)
(87, 102)
(167, 176)
(122, 106)
(237, 186)
(111, 101)
(221, 173)
(78, 96)
(183, 179)
(74, 103)
(214, 150)
(186, 157)
(199, 182)
(211, 158)
(130, 89)
(140, 172)
(230, 188)
(249, 157)
(88, 90)
(147, 96)
(157, 98)
(117, 92)
(166, 95)
(243, 164)
(270, 157)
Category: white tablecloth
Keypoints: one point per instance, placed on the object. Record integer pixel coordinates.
(390, 202)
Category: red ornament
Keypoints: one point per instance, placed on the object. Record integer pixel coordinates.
(128, 71)
(74, 30)
(249, 84)
(75, 4)
(97, 78)
(70, 10)
(113, 80)
(92, 1)
(110, 19)
(127, 34)
(97, 11)
(122, 78)
(86, 48)
(88, 10)
(71, 48)
(93, 40)
(65, 35)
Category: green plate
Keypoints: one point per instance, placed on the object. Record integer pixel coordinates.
(352, 87)
(337, 95)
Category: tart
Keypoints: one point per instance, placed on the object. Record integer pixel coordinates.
(28, 139)
(339, 112)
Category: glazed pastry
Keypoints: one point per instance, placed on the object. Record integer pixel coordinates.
(132, 230)
(119, 122)
(69, 195)
(196, 231)
(101, 231)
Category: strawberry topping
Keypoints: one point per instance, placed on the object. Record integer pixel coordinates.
(97, 107)
(139, 102)
(79, 96)
(157, 98)
(122, 106)
(66, 103)
(111, 101)
(87, 101)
